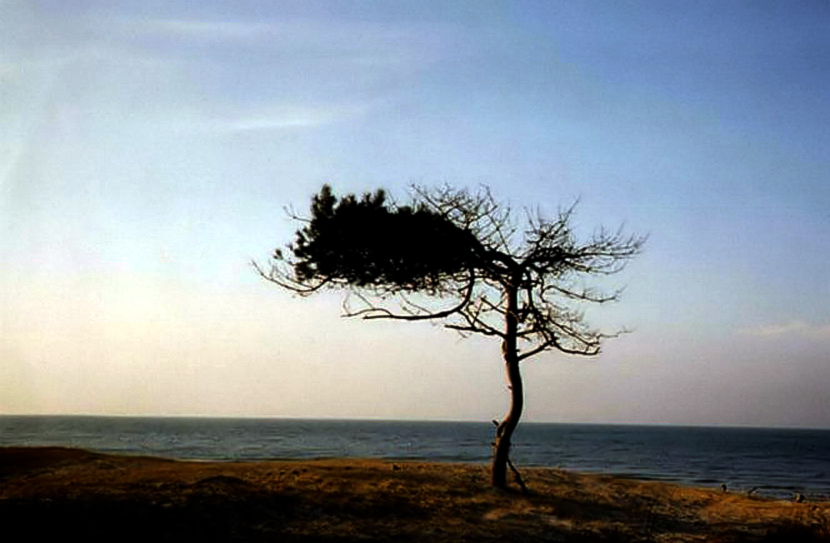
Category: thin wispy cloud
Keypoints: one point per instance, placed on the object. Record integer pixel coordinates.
(301, 120)
(367, 43)
(792, 329)
(203, 30)
(292, 117)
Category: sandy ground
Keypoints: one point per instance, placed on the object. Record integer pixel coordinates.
(66, 493)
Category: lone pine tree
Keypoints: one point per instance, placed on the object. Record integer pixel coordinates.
(460, 257)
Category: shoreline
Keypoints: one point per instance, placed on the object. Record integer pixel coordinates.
(761, 490)
(55, 491)
(779, 462)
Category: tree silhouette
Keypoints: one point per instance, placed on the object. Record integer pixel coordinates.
(460, 257)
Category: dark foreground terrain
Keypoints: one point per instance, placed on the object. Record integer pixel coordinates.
(71, 494)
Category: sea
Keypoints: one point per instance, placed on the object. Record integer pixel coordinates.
(771, 462)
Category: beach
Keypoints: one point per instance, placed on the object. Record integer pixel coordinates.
(63, 492)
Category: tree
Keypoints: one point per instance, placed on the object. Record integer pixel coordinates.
(460, 257)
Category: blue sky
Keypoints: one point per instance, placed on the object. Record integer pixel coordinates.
(148, 150)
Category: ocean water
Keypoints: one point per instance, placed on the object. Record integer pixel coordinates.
(778, 462)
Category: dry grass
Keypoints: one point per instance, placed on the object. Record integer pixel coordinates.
(53, 492)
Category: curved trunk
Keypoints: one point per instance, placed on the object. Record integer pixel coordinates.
(504, 432)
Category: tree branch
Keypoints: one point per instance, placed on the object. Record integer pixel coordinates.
(289, 284)
(374, 312)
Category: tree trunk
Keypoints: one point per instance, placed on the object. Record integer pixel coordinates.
(504, 432)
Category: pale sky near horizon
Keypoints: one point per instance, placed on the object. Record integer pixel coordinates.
(148, 150)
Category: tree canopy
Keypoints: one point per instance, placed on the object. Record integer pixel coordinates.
(369, 243)
(461, 257)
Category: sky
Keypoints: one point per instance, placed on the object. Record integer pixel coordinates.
(149, 150)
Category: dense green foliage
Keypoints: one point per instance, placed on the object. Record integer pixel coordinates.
(369, 242)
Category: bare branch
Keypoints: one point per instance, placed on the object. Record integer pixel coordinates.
(284, 281)
(484, 330)
(539, 349)
(373, 312)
